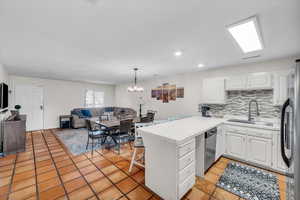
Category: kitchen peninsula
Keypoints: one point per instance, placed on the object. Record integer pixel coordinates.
(175, 154)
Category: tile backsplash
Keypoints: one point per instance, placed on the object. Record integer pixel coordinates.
(237, 103)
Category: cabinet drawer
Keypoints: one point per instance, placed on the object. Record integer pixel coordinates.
(186, 160)
(186, 148)
(186, 172)
(186, 185)
(260, 133)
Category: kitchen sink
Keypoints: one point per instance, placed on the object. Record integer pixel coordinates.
(251, 122)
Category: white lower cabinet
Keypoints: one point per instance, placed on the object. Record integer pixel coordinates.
(254, 145)
(235, 144)
(221, 143)
(259, 150)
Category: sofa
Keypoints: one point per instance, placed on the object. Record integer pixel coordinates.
(79, 115)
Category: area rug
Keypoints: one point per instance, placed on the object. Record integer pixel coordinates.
(75, 141)
(249, 183)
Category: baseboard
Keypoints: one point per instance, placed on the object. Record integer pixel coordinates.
(254, 164)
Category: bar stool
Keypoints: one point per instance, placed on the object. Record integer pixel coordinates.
(138, 144)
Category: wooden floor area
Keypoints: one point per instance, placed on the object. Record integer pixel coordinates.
(48, 171)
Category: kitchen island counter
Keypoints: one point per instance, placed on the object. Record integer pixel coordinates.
(174, 154)
(179, 131)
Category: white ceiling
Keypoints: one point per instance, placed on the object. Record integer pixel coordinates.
(102, 40)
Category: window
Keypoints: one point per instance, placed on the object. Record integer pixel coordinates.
(94, 98)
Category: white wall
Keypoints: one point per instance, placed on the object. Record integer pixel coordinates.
(192, 83)
(60, 97)
(3, 74)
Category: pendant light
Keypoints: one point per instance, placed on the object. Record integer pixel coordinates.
(135, 88)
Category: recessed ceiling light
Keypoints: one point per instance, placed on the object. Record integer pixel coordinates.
(200, 65)
(178, 53)
(247, 34)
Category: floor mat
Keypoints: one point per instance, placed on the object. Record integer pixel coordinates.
(249, 183)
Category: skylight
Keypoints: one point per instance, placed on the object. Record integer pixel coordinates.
(246, 33)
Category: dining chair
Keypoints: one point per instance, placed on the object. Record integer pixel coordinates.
(94, 133)
(149, 117)
(124, 131)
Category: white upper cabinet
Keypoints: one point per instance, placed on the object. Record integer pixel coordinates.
(236, 83)
(213, 91)
(259, 81)
(251, 82)
(280, 89)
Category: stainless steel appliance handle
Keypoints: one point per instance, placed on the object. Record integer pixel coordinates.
(284, 129)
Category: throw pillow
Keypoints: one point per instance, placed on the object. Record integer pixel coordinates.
(78, 113)
(109, 109)
(86, 113)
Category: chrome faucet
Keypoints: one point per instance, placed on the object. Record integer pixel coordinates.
(249, 112)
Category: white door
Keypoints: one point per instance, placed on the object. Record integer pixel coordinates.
(235, 144)
(259, 150)
(31, 100)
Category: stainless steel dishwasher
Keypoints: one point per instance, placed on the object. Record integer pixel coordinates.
(210, 147)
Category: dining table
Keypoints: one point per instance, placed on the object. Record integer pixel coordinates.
(112, 126)
(114, 123)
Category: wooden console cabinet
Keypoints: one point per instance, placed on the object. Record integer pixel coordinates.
(14, 135)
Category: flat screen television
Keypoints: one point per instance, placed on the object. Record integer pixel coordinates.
(3, 96)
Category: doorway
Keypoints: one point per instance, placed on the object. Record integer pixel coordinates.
(31, 99)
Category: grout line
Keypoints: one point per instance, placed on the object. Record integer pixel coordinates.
(42, 137)
(115, 184)
(78, 171)
(35, 170)
(42, 134)
(130, 176)
(12, 176)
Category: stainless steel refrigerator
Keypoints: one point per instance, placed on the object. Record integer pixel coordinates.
(290, 134)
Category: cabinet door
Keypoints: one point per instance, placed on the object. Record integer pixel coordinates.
(259, 81)
(236, 83)
(280, 89)
(214, 91)
(220, 148)
(259, 150)
(235, 144)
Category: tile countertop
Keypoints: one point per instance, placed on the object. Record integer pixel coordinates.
(191, 127)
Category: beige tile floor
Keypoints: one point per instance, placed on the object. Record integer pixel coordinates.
(46, 170)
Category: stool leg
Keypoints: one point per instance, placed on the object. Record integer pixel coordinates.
(87, 144)
(132, 159)
(92, 147)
